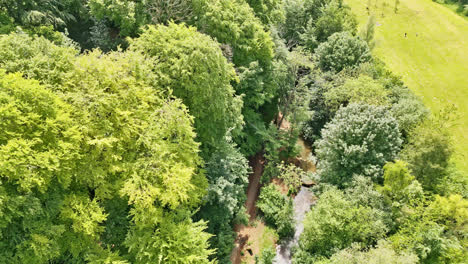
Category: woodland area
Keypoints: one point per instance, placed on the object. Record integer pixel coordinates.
(127, 126)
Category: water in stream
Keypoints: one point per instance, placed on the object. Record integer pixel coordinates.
(302, 202)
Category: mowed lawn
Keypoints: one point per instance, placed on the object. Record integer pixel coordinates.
(432, 58)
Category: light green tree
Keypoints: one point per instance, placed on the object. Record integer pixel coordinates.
(361, 90)
(335, 222)
(192, 66)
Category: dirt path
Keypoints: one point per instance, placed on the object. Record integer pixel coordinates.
(253, 190)
(257, 164)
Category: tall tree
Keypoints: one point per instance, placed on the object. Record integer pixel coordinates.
(193, 67)
(358, 141)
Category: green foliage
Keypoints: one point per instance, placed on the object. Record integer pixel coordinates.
(269, 11)
(6, 23)
(342, 50)
(409, 112)
(36, 58)
(335, 222)
(383, 253)
(296, 19)
(361, 90)
(277, 209)
(428, 240)
(309, 22)
(131, 141)
(428, 153)
(227, 173)
(401, 191)
(174, 242)
(234, 23)
(101, 36)
(291, 176)
(367, 32)
(126, 15)
(163, 11)
(39, 138)
(399, 185)
(435, 230)
(335, 17)
(38, 146)
(48, 12)
(49, 33)
(452, 213)
(192, 66)
(319, 83)
(267, 256)
(358, 141)
(454, 183)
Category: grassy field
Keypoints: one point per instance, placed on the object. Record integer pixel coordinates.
(432, 58)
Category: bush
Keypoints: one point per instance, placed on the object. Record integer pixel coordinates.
(266, 257)
(383, 253)
(358, 141)
(277, 209)
(340, 51)
(428, 153)
(292, 176)
(36, 58)
(361, 90)
(336, 221)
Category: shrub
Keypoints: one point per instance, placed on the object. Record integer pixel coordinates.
(336, 221)
(428, 153)
(342, 50)
(277, 209)
(383, 253)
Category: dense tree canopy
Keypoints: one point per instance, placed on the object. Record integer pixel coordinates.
(127, 129)
(192, 66)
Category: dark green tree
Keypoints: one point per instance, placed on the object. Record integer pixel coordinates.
(342, 50)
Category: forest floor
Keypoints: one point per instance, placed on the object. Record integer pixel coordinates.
(432, 59)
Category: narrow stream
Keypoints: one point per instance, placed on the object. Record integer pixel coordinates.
(302, 202)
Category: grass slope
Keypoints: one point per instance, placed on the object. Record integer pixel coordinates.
(432, 59)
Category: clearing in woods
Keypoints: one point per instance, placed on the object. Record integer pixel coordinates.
(432, 59)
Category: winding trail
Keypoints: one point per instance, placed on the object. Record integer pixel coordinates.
(302, 202)
(253, 190)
